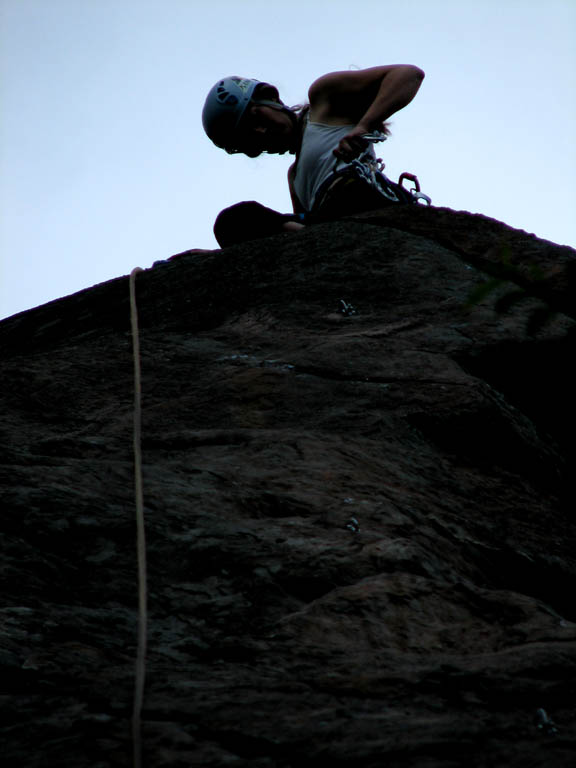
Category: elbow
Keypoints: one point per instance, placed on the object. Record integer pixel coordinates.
(408, 73)
(414, 76)
(417, 73)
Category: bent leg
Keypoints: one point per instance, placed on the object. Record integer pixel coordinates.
(250, 220)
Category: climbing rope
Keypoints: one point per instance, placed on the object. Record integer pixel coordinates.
(140, 532)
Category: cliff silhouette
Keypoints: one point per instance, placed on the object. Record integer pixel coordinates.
(358, 449)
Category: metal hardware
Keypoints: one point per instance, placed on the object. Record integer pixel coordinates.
(416, 193)
(374, 137)
(353, 525)
(544, 723)
(347, 309)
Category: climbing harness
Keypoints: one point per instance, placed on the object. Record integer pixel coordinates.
(377, 167)
(140, 531)
(371, 171)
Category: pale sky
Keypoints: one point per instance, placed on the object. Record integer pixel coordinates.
(104, 165)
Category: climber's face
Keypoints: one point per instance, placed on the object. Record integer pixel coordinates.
(266, 129)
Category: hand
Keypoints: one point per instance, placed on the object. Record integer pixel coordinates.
(352, 144)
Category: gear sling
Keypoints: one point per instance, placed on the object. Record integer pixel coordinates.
(362, 186)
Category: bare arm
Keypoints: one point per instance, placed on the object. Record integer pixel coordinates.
(296, 204)
(364, 98)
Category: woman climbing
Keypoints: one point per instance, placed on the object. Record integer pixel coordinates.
(335, 171)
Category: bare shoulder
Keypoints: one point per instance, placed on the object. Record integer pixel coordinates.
(344, 96)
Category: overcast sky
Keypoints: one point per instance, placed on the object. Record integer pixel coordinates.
(104, 165)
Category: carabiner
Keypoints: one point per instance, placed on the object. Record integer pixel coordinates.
(416, 193)
(410, 177)
(374, 137)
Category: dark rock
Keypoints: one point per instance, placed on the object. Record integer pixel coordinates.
(358, 487)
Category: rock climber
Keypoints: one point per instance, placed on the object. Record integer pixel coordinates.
(332, 137)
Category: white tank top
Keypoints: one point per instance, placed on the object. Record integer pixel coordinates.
(316, 160)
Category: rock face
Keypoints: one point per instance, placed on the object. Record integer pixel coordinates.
(359, 496)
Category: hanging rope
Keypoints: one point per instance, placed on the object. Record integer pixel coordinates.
(140, 532)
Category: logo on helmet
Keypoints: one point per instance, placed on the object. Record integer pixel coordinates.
(244, 85)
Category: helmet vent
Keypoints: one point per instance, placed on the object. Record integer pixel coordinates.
(225, 97)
